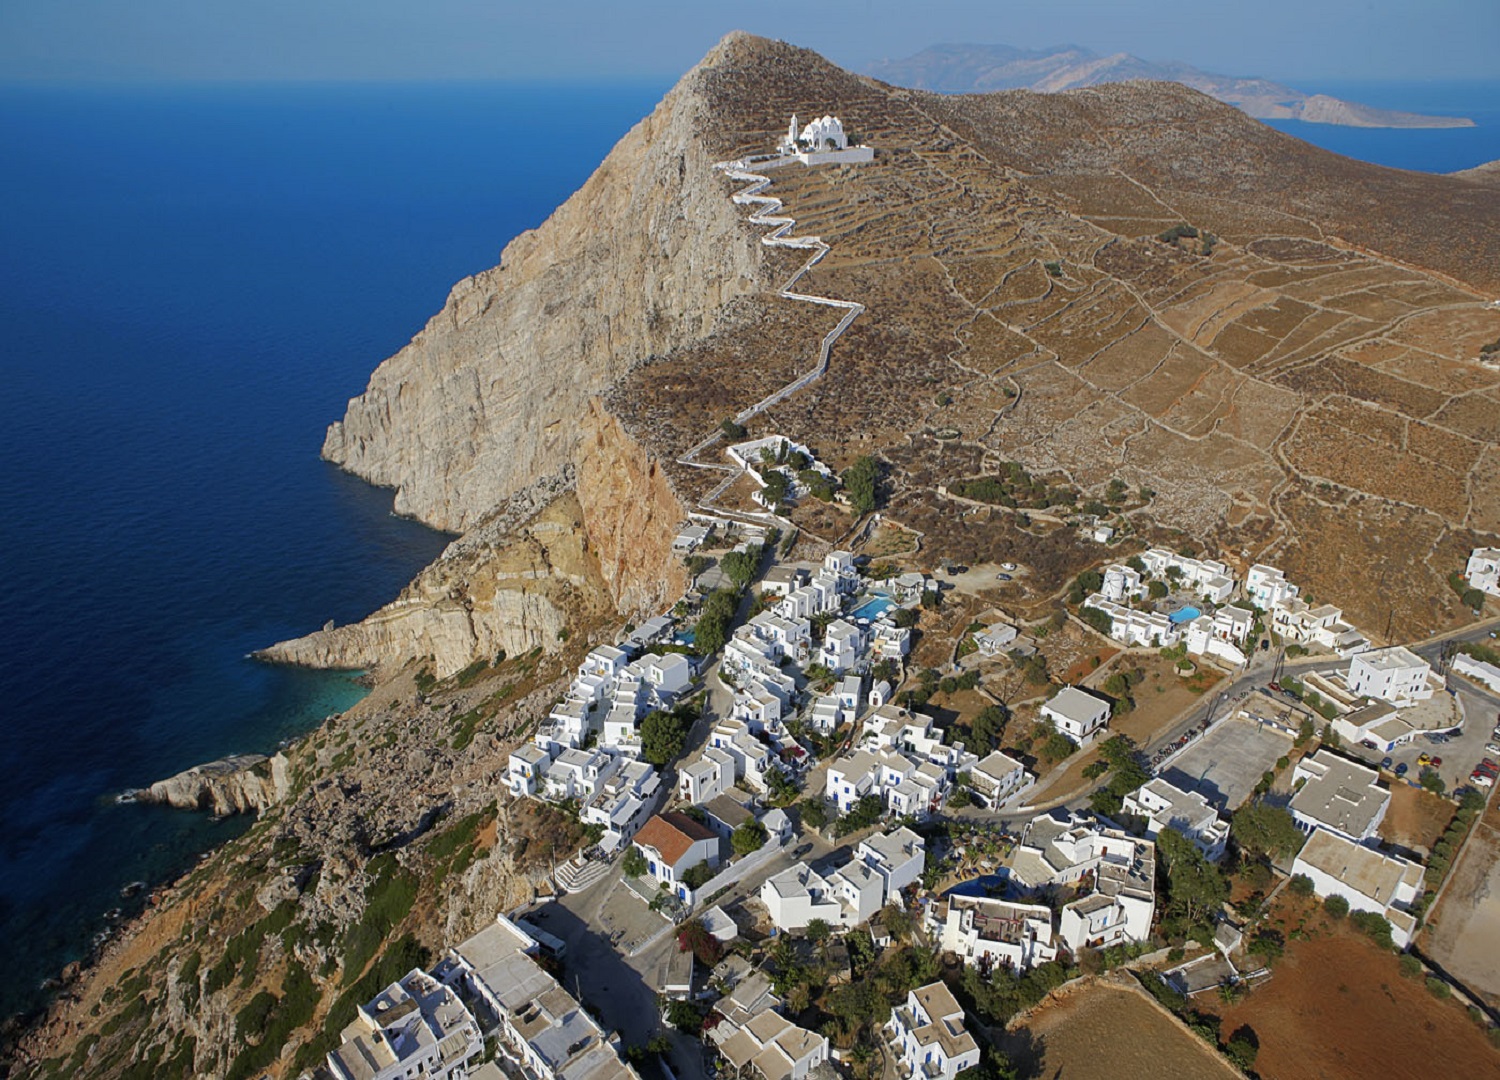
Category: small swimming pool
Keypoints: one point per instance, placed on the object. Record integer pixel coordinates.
(1182, 615)
(872, 608)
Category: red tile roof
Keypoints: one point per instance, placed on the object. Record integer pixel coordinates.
(672, 834)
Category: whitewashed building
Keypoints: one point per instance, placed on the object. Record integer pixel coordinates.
(999, 778)
(1121, 583)
(1077, 714)
(673, 844)
(544, 1026)
(1396, 674)
(1267, 586)
(984, 931)
(416, 1026)
(1369, 880)
(1340, 795)
(1166, 806)
(929, 1035)
(1483, 570)
(1130, 626)
(1209, 578)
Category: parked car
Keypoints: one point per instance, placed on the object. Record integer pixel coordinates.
(1002, 577)
(1368, 744)
(1385, 763)
(1493, 748)
(1401, 769)
(1480, 780)
(1423, 759)
(1007, 566)
(1436, 763)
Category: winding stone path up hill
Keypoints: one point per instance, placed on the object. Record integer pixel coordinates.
(1306, 391)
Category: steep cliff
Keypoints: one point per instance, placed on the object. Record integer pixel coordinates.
(489, 395)
(507, 586)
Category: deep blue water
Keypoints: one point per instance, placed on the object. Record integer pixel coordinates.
(1423, 149)
(192, 283)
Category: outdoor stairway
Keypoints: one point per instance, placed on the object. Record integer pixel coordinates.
(575, 877)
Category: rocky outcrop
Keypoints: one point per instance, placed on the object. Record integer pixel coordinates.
(240, 784)
(489, 395)
(503, 588)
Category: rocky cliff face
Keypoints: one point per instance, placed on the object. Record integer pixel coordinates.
(490, 395)
(240, 784)
(631, 513)
(504, 587)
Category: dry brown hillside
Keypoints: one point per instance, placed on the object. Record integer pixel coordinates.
(1306, 391)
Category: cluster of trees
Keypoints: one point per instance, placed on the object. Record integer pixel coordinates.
(1191, 889)
(987, 729)
(663, 734)
(868, 811)
(748, 837)
(1176, 233)
(1085, 585)
(714, 620)
(1014, 488)
(1263, 830)
(862, 483)
(1469, 596)
(1118, 758)
(694, 937)
(742, 566)
(1119, 686)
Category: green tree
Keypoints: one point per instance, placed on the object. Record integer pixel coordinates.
(1243, 1046)
(634, 863)
(1194, 887)
(1099, 620)
(1336, 906)
(712, 630)
(1300, 884)
(748, 837)
(814, 812)
(1157, 590)
(1260, 828)
(685, 1017)
(861, 481)
(732, 429)
(740, 566)
(988, 728)
(817, 931)
(662, 737)
(695, 937)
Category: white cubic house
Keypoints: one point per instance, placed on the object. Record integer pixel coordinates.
(1339, 795)
(1370, 880)
(414, 1027)
(1396, 674)
(1077, 714)
(929, 1035)
(673, 844)
(1483, 570)
(1165, 806)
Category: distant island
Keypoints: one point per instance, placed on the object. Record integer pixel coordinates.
(977, 69)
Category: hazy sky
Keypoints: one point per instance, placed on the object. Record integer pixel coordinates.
(658, 39)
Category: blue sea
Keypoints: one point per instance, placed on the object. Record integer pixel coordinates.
(192, 284)
(1440, 150)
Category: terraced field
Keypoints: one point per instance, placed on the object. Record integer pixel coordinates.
(1290, 382)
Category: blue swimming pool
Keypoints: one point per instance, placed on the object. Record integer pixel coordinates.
(1182, 615)
(873, 608)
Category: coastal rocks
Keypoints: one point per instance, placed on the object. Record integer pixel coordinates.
(239, 784)
(488, 396)
(507, 593)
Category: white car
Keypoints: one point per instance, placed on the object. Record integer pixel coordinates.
(1493, 748)
(1481, 780)
(1007, 566)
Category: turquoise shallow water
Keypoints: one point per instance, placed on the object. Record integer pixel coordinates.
(194, 281)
